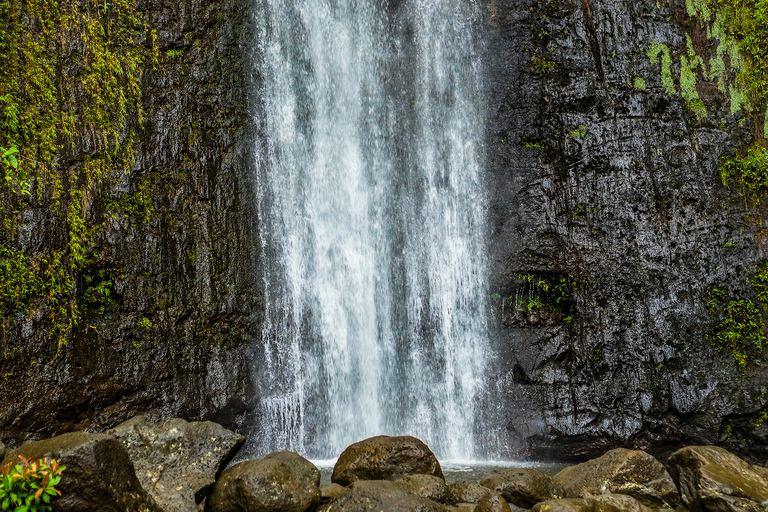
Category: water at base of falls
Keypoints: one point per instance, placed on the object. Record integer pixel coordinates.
(372, 218)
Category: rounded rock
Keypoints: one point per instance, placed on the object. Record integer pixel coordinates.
(492, 503)
(522, 487)
(427, 486)
(385, 458)
(467, 492)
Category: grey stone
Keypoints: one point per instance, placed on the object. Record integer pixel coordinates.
(177, 461)
(467, 492)
(492, 503)
(427, 486)
(99, 475)
(574, 505)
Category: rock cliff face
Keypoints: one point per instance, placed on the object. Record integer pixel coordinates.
(603, 174)
(603, 178)
(184, 299)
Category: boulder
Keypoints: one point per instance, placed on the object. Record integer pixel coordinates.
(266, 485)
(466, 492)
(522, 487)
(330, 491)
(427, 486)
(574, 505)
(99, 475)
(712, 479)
(623, 502)
(621, 471)
(177, 461)
(466, 507)
(304, 470)
(380, 495)
(492, 503)
(385, 458)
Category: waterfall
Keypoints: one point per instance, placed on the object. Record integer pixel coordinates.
(372, 222)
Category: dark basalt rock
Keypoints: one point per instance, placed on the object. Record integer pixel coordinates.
(99, 475)
(301, 468)
(523, 487)
(267, 485)
(574, 505)
(492, 503)
(379, 495)
(385, 458)
(176, 461)
(621, 471)
(711, 479)
(467, 492)
(427, 486)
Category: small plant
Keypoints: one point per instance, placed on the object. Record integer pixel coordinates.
(29, 486)
(145, 323)
(580, 131)
(750, 172)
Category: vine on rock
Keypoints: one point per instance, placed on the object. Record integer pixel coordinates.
(70, 108)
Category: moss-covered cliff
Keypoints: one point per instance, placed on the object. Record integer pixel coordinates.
(626, 173)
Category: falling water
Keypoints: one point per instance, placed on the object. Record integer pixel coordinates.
(371, 209)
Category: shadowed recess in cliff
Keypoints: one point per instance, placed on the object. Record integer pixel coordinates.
(372, 216)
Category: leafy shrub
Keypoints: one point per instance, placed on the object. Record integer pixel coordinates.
(29, 486)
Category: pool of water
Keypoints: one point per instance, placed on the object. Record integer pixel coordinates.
(459, 470)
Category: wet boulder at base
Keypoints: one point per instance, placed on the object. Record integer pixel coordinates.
(177, 461)
(712, 479)
(492, 503)
(330, 491)
(99, 475)
(623, 502)
(427, 486)
(306, 472)
(574, 505)
(621, 471)
(523, 487)
(385, 458)
(380, 495)
(266, 485)
(467, 492)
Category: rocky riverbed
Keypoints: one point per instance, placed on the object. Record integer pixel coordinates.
(180, 466)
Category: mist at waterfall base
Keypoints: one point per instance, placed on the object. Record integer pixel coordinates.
(371, 202)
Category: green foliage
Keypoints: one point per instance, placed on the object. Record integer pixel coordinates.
(553, 298)
(760, 284)
(30, 485)
(580, 131)
(639, 83)
(750, 172)
(70, 119)
(145, 323)
(541, 66)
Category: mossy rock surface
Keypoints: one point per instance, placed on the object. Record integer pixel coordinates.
(621, 471)
(467, 492)
(574, 505)
(385, 458)
(523, 487)
(712, 479)
(380, 495)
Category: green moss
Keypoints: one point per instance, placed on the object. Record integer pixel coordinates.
(638, 83)
(742, 331)
(655, 51)
(541, 66)
(750, 172)
(688, 86)
(580, 131)
(57, 105)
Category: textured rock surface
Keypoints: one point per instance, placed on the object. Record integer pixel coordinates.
(523, 487)
(267, 485)
(427, 486)
(385, 458)
(378, 495)
(492, 503)
(591, 178)
(189, 269)
(99, 476)
(621, 471)
(467, 492)
(574, 505)
(625, 201)
(712, 479)
(622, 502)
(176, 461)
